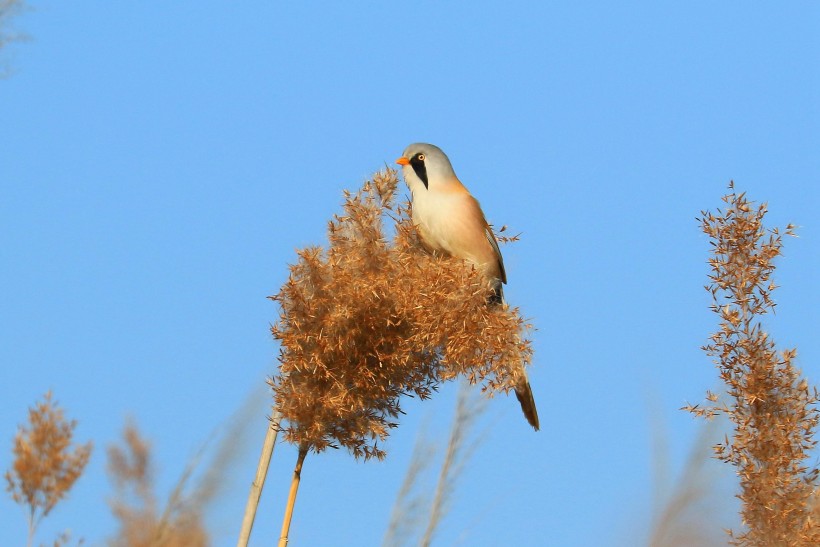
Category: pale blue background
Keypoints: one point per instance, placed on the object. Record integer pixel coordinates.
(160, 162)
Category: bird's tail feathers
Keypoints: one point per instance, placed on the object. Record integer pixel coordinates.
(523, 392)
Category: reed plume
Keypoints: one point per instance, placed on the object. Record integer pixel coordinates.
(142, 523)
(46, 464)
(771, 406)
(374, 317)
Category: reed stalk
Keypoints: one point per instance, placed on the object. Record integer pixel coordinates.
(294, 489)
(259, 481)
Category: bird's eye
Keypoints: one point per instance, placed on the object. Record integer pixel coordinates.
(420, 157)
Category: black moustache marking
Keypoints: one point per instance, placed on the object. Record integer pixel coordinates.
(419, 168)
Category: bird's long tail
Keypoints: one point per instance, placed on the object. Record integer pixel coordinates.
(523, 392)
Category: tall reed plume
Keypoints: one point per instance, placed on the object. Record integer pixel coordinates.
(772, 407)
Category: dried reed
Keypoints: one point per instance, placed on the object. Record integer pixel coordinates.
(691, 513)
(294, 489)
(45, 465)
(180, 521)
(406, 521)
(455, 458)
(371, 319)
(259, 480)
(141, 524)
(773, 409)
(411, 500)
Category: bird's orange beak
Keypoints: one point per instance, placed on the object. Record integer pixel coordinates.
(403, 161)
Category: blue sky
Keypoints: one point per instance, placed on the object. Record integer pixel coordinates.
(160, 163)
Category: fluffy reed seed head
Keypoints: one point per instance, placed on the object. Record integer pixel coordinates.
(46, 464)
(772, 407)
(374, 317)
(142, 523)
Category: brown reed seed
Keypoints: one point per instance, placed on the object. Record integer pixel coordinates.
(373, 317)
(772, 407)
(45, 465)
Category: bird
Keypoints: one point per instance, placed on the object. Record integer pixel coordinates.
(450, 221)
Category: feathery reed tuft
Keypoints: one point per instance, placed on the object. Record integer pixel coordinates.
(135, 505)
(46, 465)
(408, 526)
(373, 317)
(772, 407)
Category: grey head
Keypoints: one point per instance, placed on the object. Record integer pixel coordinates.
(428, 162)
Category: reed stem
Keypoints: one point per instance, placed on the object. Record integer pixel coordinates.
(259, 480)
(294, 488)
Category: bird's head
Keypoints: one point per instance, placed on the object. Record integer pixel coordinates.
(425, 164)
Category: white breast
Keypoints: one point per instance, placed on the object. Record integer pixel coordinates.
(440, 222)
